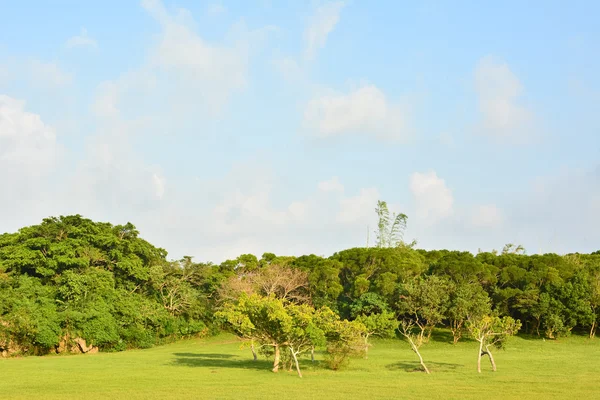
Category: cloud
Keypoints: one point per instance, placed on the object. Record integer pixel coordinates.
(365, 111)
(26, 142)
(216, 8)
(196, 67)
(29, 155)
(358, 208)
(184, 77)
(47, 74)
(487, 216)
(433, 199)
(4, 74)
(81, 40)
(498, 91)
(332, 185)
(321, 24)
(289, 69)
(159, 185)
(106, 100)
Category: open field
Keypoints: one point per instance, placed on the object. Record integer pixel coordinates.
(216, 368)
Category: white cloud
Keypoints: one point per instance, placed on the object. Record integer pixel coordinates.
(320, 26)
(365, 110)
(81, 40)
(106, 100)
(27, 144)
(29, 155)
(4, 74)
(487, 216)
(498, 91)
(446, 139)
(358, 208)
(216, 8)
(159, 185)
(289, 69)
(433, 199)
(185, 79)
(197, 68)
(332, 185)
(48, 74)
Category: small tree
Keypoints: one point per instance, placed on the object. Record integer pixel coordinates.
(491, 330)
(298, 328)
(595, 301)
(466, 299)
(424, 301)
(344, 338)
(383, 325)
(390, 230)
(414, 339)
(261, 319)
(306, 332)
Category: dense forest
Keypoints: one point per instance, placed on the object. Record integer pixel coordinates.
(73, 285)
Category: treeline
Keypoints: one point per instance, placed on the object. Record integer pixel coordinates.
(71, 284)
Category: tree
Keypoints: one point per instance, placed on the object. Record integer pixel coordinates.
(491, 330)
(383, 325)
(281, 324)
(306, 333)
(263, 319)
(282, 282)
(390, 231)
(344, 339)
(595, 300)
(414, 339)
(424, 302)
(511, 248)
(466, 300)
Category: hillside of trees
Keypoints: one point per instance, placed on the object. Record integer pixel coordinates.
(73, 285)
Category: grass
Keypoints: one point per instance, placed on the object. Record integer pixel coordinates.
(216, 368)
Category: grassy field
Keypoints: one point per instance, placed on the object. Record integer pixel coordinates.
(216, 368)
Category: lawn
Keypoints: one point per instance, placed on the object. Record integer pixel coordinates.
(216, 368)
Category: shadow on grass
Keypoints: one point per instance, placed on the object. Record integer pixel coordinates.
(214, 360)
(415, 366)
(442, 336)
(204, 355)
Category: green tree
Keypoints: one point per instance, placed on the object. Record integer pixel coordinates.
(382, 325)
(491, 331)
(466, 300)
(390, 229)
(424, 301)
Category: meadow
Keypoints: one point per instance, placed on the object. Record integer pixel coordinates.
(217, 368)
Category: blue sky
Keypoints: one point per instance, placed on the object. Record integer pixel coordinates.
(251, 126)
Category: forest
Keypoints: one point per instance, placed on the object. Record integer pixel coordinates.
(71, 284)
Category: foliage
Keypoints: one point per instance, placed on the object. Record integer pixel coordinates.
(70, 277)
(390, 232)
(286, 326)
(491, 331)
(424, 302)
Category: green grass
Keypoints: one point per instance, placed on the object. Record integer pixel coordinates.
(216, 368)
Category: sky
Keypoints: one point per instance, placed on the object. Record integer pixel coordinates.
(224, 128)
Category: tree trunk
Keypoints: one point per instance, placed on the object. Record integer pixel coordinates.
(429, 331)
(479, 356)
(312, 354)
(593, 330)
(489, 353)
(456, 332)
(366, 347)
(296, 361)
(253, 351)
(416, 350)
(277, 358)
